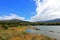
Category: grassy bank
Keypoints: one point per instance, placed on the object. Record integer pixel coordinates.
(18, 33)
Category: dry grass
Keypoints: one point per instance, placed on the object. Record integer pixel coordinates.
(18, 33)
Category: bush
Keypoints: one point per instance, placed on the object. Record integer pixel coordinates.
(5, 26)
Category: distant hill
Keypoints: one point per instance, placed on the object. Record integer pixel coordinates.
(21, 22)
(54, 20)
(12, 20)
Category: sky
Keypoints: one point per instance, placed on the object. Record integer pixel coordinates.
(21, 8)
(30, 10)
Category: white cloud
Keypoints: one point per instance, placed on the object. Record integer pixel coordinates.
(11, 16)
(46, 10)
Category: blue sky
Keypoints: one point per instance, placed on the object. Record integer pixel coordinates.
(25, 8)
(30, 10)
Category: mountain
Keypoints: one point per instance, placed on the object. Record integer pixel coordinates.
(21, 22)
(12, 20)
(54, 20)
(17, 20)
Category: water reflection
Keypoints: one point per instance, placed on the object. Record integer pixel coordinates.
(51, 31)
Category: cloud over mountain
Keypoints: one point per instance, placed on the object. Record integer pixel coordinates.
(11, 16)
(46, 10)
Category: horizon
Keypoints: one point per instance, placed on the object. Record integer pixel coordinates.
(30, 10)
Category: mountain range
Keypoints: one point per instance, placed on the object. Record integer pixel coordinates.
(14, 20)
(54, 20)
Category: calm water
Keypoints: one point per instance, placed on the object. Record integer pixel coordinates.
(51, 31)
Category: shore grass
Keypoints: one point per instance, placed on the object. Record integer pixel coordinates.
(19, 33)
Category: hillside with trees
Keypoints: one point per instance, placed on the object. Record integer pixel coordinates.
(17, 22)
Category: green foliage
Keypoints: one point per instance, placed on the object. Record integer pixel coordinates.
(5, 26)
(13, 23)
